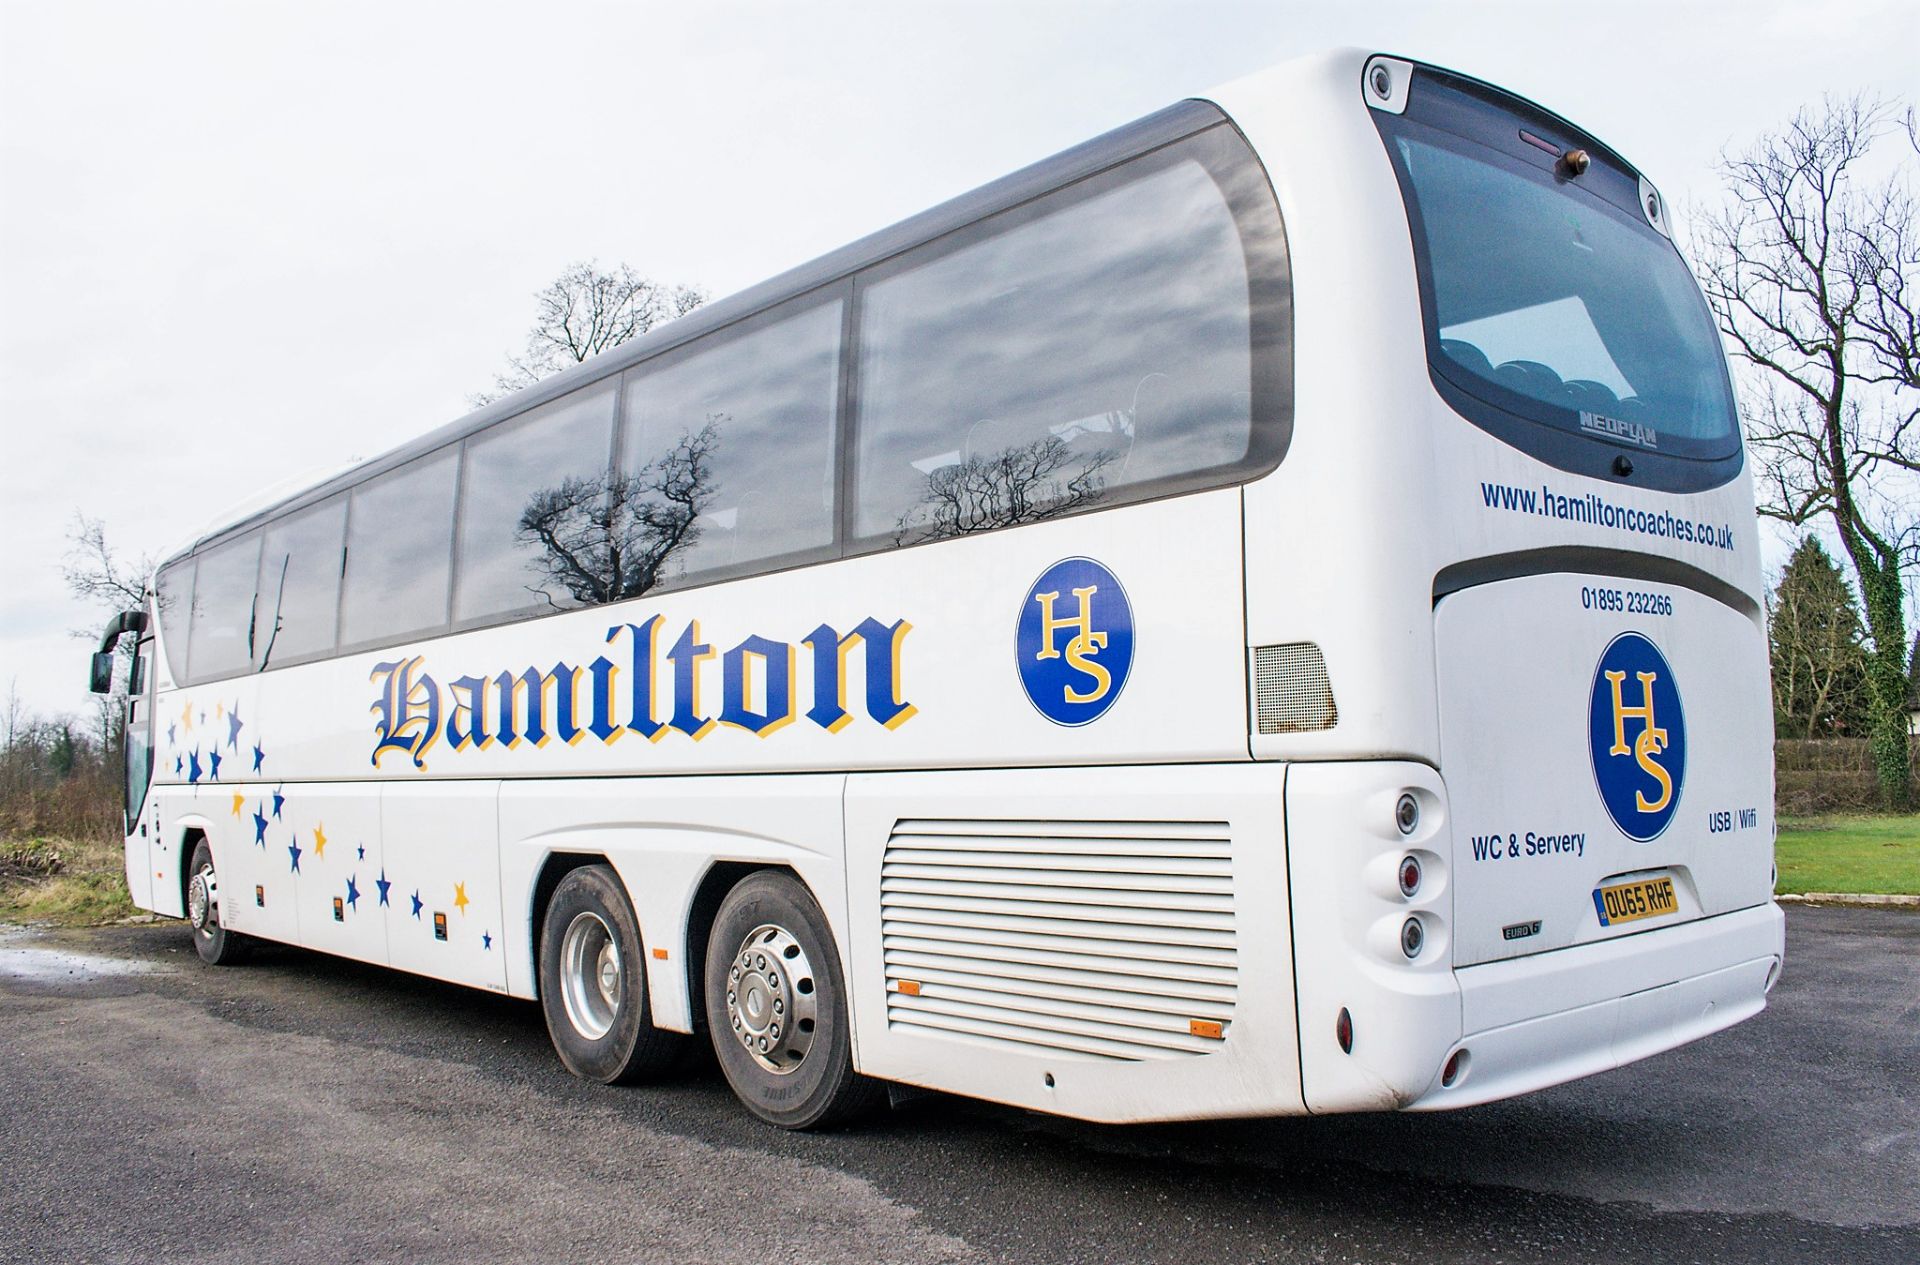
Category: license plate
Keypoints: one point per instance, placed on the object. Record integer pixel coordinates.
(1630, 902)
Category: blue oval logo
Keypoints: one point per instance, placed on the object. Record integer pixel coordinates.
(1637, 736)
(1074, 642)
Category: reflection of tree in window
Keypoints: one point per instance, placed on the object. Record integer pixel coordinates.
(1024, 483)
(605, 538)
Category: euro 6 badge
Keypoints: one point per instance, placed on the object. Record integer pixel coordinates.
(1637, 736)
(1073, 644)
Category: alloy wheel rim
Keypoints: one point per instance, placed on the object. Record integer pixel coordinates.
(773, 1002)
(592, 975)
(200, 900)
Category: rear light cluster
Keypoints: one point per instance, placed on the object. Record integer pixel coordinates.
(1413, 937)
(1405, 889)
(1413, 932)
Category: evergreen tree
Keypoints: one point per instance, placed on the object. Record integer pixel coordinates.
(63, 755)
(1817, 646)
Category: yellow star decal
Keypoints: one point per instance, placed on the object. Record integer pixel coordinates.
(460, 901)
(238, 800)
(219, 711)
(186, 715)
(319, 840)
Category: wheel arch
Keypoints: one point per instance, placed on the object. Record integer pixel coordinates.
(190, 837)
(554, 867)
(721, 877)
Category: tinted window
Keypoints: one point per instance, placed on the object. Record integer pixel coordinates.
(174, 596)
(139, 744)
(533, 493)
(1098, 346)
(727, 454)
(399, 547)
(300, 584)
(221, 640)
(1557, 317)
(1562, 298)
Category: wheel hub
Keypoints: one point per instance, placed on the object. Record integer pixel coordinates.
(592, 975)
(772, 1004)
(203, 900)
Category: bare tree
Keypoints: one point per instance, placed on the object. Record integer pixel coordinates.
(1811, 270)
(1020, 484)
(601, 539)
(583, 313)
(96, 573)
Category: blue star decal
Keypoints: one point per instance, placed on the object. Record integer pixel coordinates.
(293, 850)
(203, 717)
(179, 762)
(193, 769)
(258, 757)
(169, 735)
(259, 828)
(362, 850)
(214, 758)
(382, 884)
(233, 727)
(417, 904)
(486, 939)
(278, 800)
(353, 894)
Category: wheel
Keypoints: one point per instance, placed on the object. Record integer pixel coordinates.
(777, 1007)
(593, 983)
(214, 943)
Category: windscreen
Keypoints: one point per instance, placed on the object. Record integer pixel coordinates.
(1550, 297)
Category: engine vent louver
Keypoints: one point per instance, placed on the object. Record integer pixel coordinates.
(1107, 940)
(1291, 692)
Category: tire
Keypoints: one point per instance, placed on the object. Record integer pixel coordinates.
(216, 945)
(777, 1008)
(593, 983)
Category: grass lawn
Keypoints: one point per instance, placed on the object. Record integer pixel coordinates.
(72, 882)
(1850, 854)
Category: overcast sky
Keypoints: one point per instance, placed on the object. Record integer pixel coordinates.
(241, 242)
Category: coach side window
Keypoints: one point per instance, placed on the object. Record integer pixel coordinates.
(1094, 347)
(727, 453)
(532, 504)
(221, 642)
(399, 553)
(299, 595)
(174, 598)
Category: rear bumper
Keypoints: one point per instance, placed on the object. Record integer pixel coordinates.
(1620, 1001)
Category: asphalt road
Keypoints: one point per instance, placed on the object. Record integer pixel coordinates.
(305, 1109)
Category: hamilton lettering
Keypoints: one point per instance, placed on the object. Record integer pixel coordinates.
(756, 681)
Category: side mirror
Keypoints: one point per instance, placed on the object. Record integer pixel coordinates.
(100, 678)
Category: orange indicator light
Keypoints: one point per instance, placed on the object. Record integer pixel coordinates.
(1211, 1029)
(910, 987)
